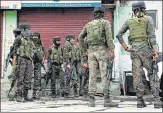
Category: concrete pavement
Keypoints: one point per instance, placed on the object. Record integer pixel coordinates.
(62, 105)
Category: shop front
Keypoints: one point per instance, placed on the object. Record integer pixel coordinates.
(58, 18)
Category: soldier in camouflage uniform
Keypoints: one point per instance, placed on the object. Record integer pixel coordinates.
(38, 61)
(55, 57)
(77, 64)
(100, 46)
(69, 54)
(12, 77)
(24, 54)
(84, 76)
(143, 41)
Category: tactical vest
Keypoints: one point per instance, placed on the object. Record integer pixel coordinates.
(26, 48)
(39, 52)
(138, 29)
(56, 55)
(96, 32)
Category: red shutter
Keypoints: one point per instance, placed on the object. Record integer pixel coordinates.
(1, 37)
(57, 22)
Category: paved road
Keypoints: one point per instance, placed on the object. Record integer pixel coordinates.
(60, 105)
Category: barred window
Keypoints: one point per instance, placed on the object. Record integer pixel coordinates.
(153, 14)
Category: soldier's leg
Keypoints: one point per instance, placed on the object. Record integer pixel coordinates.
(37, 81)
(61, 78)
(154, 80)
(27, 80)
(93, 67)
(102, 59)
(53, 82)
(85, 84)
(75, 82)
(145, 82)
(20, 78)
(137, 81)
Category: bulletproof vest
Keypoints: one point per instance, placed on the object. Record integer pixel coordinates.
(26, 48)
(68, 50)
(39, 53)
(96, 32)
(137, 29)
(56, 54)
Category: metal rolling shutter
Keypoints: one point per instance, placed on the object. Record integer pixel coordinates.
(58, 21)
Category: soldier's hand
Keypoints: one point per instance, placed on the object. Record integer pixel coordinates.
(128, 49)
(156, 57)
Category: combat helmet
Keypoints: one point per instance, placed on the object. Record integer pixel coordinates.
(70, 36)
(25, 34)
(139, 4)
(56, 38)
(17, 31)
(99, 10)
(24, 26)
(36, 34)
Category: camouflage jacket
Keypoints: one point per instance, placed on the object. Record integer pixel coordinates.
(143, 45)
(105, 35)
(55, 54)
(69, 51)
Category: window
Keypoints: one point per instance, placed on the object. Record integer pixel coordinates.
(153, 14)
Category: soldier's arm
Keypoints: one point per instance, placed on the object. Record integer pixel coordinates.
(43, 59)
(48, 56)
(49, 53)
(81, 37)
(109, 37)
(151, 34)
(16, 44)
(120, 34)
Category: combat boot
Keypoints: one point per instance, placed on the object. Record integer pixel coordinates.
(157, 103)
(53, 95)
(35, 96)
(92, 101)
(141, 103)
(108, 102)
(26, 98)
(85, 97)
(19, 98)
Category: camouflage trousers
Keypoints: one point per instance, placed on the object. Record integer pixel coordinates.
(139, 60)
(71, 81)
(55, 79)
(97, 61)
(24, 77)
(37, 76)
(85, 78)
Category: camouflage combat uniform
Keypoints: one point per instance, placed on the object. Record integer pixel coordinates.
(84, 75)
(69, 54)
(56, 59)
(37, 60)
(12, 78)
(100, 44)
(25, 54)
(142, 35)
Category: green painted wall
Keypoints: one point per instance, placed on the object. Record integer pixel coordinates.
(10, 25)
(121, 14)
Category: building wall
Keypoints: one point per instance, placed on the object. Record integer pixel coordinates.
(8, 38)
(1, 38)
